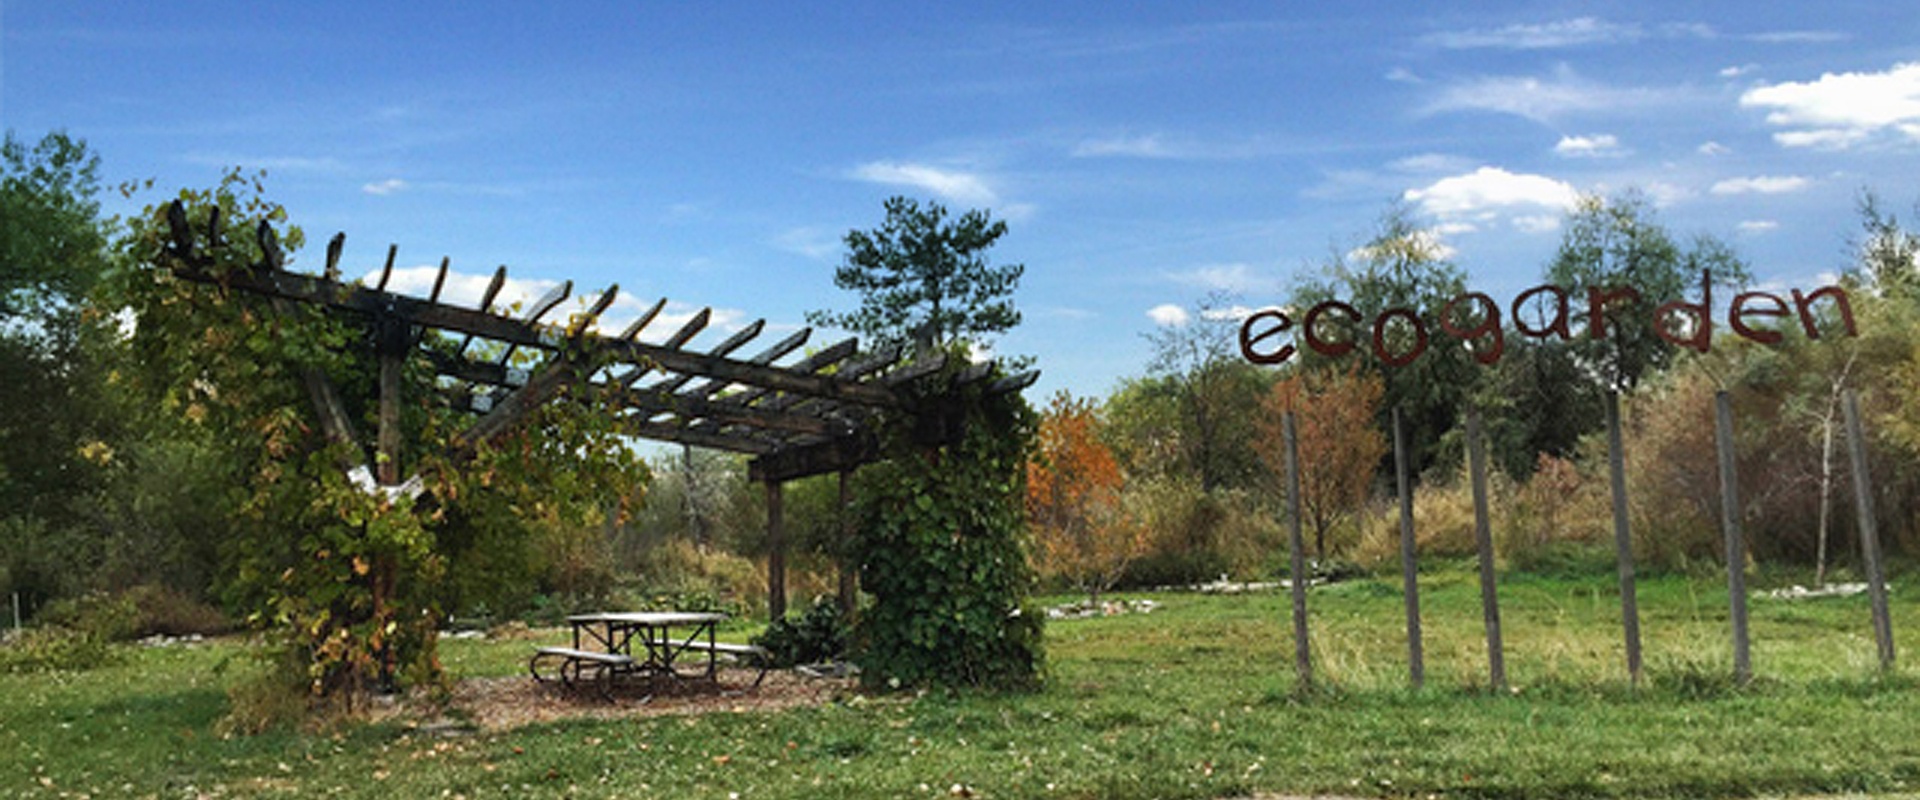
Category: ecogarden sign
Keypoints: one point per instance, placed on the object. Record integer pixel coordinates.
(1333, 328)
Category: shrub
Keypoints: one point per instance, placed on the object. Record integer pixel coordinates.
(816, 636)
(56, 647)
(135, 613)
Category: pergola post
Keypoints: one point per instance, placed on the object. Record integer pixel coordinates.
(392, 348)
(849, 568)
(776, 552)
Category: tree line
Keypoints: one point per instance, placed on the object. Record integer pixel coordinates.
(1179, 472)
(128, 464)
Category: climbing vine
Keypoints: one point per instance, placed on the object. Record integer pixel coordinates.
(942, 542)
(349, 582)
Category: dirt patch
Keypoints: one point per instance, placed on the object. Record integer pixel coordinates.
(494, 704)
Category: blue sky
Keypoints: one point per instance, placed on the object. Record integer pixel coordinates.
(1143, 154)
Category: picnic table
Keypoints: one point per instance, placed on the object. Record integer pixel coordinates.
(610, 645)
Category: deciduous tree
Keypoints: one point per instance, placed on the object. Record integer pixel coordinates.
(1338, 441)
(1073, 500)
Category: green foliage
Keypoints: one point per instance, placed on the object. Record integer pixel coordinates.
(52, 242)
(142, 611)
(923, 279)
(1616, 242)
(350, 583)
(817, 636)
(1399, 266)
(53, 409)
(50, 648)
(942, 543)
(1193, 413)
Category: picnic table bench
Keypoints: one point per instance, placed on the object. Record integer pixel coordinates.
(604, 649)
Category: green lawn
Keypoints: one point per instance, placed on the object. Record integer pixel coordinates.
(1195, 700)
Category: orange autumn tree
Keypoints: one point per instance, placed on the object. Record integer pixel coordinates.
(1073, 500)
(1339, 445)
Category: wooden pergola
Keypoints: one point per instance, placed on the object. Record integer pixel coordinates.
(795, 415)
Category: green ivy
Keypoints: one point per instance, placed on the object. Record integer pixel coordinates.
(351, 585)
(942, 542)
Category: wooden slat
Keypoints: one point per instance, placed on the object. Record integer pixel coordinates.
(334, 246)
(440, 279)
(646, 319)
(689, 330)
(386, 272)
(584, 322)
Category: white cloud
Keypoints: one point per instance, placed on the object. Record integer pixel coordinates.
(517, 294)
(953, 185)
(1600, 145)
(1758, 226)
(1714, 149)
(1168, 315)
(462, 288)
(1545, 99)
(1429, 243)
(1841, 110)
(1763, 184)
(386, 187)
(1564, 33)
(1491, 189)
(1737, 70)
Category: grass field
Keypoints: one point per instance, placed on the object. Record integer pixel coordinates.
(1197, 699)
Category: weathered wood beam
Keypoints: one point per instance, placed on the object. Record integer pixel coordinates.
(552, 378)
(680, 434)
(831, 455)
(725, 348)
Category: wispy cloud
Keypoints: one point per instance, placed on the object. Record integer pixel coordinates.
(1162, 146)
(1839, 111)
(1541, 36)
(1545, 99)
(1235, 278)
(309, 164)
(1763, 184)
(386, 187)
(954, 185)
(1758, 226)
(814, 243)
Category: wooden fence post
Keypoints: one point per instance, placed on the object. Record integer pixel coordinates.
(1409, 569)
(1302, 659)
(1623, 539)
(1735, 541)
(1483, 541)
(1869, 531)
